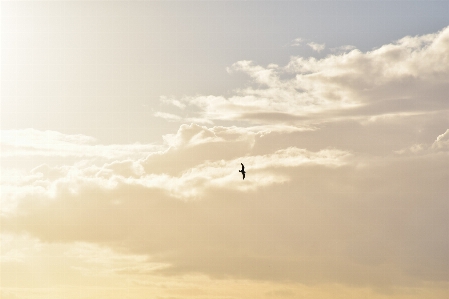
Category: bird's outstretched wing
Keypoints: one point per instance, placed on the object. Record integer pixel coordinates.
(243, 170)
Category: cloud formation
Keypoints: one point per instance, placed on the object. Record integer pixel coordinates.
(301, 215)
(32, 142)
(360, 84)
(198, 158)
(328, 199)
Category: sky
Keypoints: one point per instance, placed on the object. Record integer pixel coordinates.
(123, 126)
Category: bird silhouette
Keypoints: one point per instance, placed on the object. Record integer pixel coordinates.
(243, 170)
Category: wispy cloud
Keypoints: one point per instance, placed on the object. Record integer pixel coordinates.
(316, 47)
(167, 116)
(442, 141)
(35, 143)
(343, 49)
(296, 42)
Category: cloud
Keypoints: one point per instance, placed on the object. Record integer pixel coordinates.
(172, 101)
(442, 141)
(301, 215)
(296, 42)
(175, 118)
(107, 165)
(441, 144)
(167, 116)
(182, 171)
(315, 215)
(316, 47)
(343, 49)
(326, 200)
(35, 143)
(341, 86)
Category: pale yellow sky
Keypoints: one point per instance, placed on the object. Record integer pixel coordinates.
(123, 126)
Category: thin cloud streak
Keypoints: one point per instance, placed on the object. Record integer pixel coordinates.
(296, 42)
(316, 47)
(35, 143)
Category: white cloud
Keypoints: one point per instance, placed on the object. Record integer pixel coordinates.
(197, 158)
(110, 165)
(172, 101)
(189, 183)
(442, 141)
(296, 42)
(310, 91)
(316, 47)
(193, 134)
(441, 144)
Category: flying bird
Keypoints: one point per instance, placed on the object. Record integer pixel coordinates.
(243, 170)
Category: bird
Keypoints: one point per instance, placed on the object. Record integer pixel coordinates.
(243, 170)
